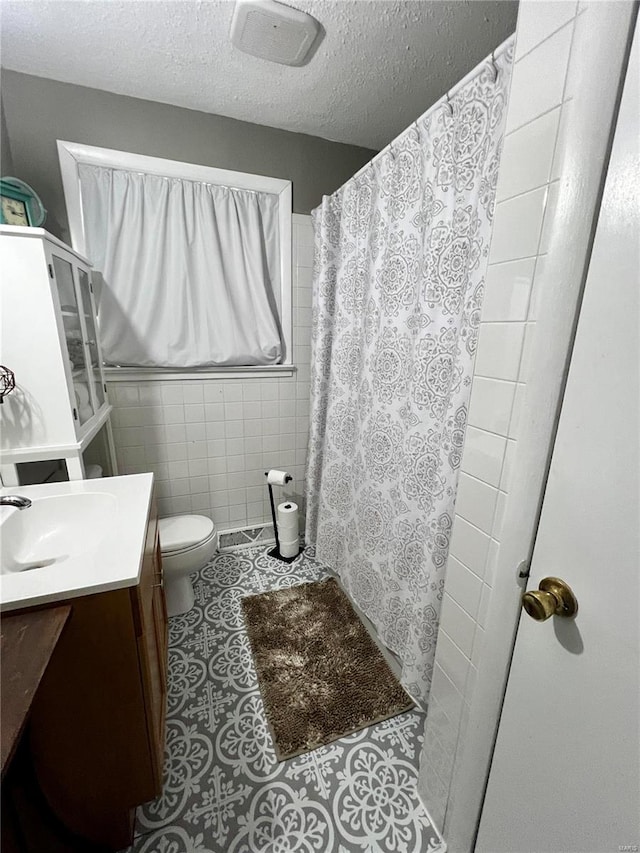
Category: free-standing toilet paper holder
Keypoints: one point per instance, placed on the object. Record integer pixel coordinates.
(275, 552)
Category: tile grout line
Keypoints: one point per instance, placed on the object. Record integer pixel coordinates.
(571, 20)
(537, 188)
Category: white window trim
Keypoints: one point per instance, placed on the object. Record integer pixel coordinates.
(71, 154)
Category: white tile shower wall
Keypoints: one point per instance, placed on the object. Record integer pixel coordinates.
(529, 174)
(210, 442)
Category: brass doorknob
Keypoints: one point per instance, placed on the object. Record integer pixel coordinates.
(553, 598)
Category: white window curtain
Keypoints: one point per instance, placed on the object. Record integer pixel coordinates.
(190, 270)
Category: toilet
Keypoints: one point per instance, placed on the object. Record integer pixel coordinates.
(187, 542)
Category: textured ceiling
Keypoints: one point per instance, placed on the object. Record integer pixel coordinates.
(381, 64)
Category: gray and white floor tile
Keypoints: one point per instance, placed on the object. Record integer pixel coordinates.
(224, 790)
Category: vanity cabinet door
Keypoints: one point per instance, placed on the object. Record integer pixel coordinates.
(152, 646)
(88, 733)
(161, 620)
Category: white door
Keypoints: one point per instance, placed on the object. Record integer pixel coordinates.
(565, 774)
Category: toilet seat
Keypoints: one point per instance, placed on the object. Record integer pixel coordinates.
(188, 550)
(180, 534)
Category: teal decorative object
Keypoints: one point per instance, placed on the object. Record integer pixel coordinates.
(20, 204)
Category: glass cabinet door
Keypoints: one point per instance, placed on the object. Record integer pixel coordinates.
(73, 332)
(92, 337)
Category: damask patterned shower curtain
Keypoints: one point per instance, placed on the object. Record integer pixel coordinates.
(401, 255)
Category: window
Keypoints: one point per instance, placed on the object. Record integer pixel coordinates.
(196, 263)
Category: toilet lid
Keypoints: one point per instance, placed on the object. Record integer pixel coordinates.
(184, 531)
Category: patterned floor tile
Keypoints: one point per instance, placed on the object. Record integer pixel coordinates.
(224, 790)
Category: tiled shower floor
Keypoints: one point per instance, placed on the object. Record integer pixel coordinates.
(224, 790)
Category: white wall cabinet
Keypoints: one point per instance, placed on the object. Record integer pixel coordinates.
(49, 340)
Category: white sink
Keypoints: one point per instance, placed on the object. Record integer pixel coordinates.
(55, 529)
(76, 538)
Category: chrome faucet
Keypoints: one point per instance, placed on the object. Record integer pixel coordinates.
(15, 500)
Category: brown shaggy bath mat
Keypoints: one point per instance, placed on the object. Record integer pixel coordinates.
(320, 674)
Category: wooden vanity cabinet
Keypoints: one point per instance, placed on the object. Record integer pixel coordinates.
(150, 615)
(98, 721)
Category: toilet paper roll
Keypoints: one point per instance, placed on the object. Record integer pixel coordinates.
(278, 478)
(287, 508)
(289, 549)
(287, 517)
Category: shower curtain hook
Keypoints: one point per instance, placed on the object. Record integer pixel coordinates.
(417, 127)
(447, 103)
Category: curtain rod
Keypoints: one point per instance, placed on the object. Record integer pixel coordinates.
(506, 44)
(149, 173)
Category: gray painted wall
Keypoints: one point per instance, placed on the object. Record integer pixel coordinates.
(6, 161)
(39, 111)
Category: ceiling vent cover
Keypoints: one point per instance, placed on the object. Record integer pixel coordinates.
(274, 31)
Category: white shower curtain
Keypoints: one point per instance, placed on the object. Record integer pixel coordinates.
(190, 270)
(401, 255)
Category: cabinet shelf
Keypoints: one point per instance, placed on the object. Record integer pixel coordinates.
(68, 312)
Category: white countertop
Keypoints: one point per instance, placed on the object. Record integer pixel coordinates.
(111, 556)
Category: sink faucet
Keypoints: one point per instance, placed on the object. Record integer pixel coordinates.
(15, 500)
